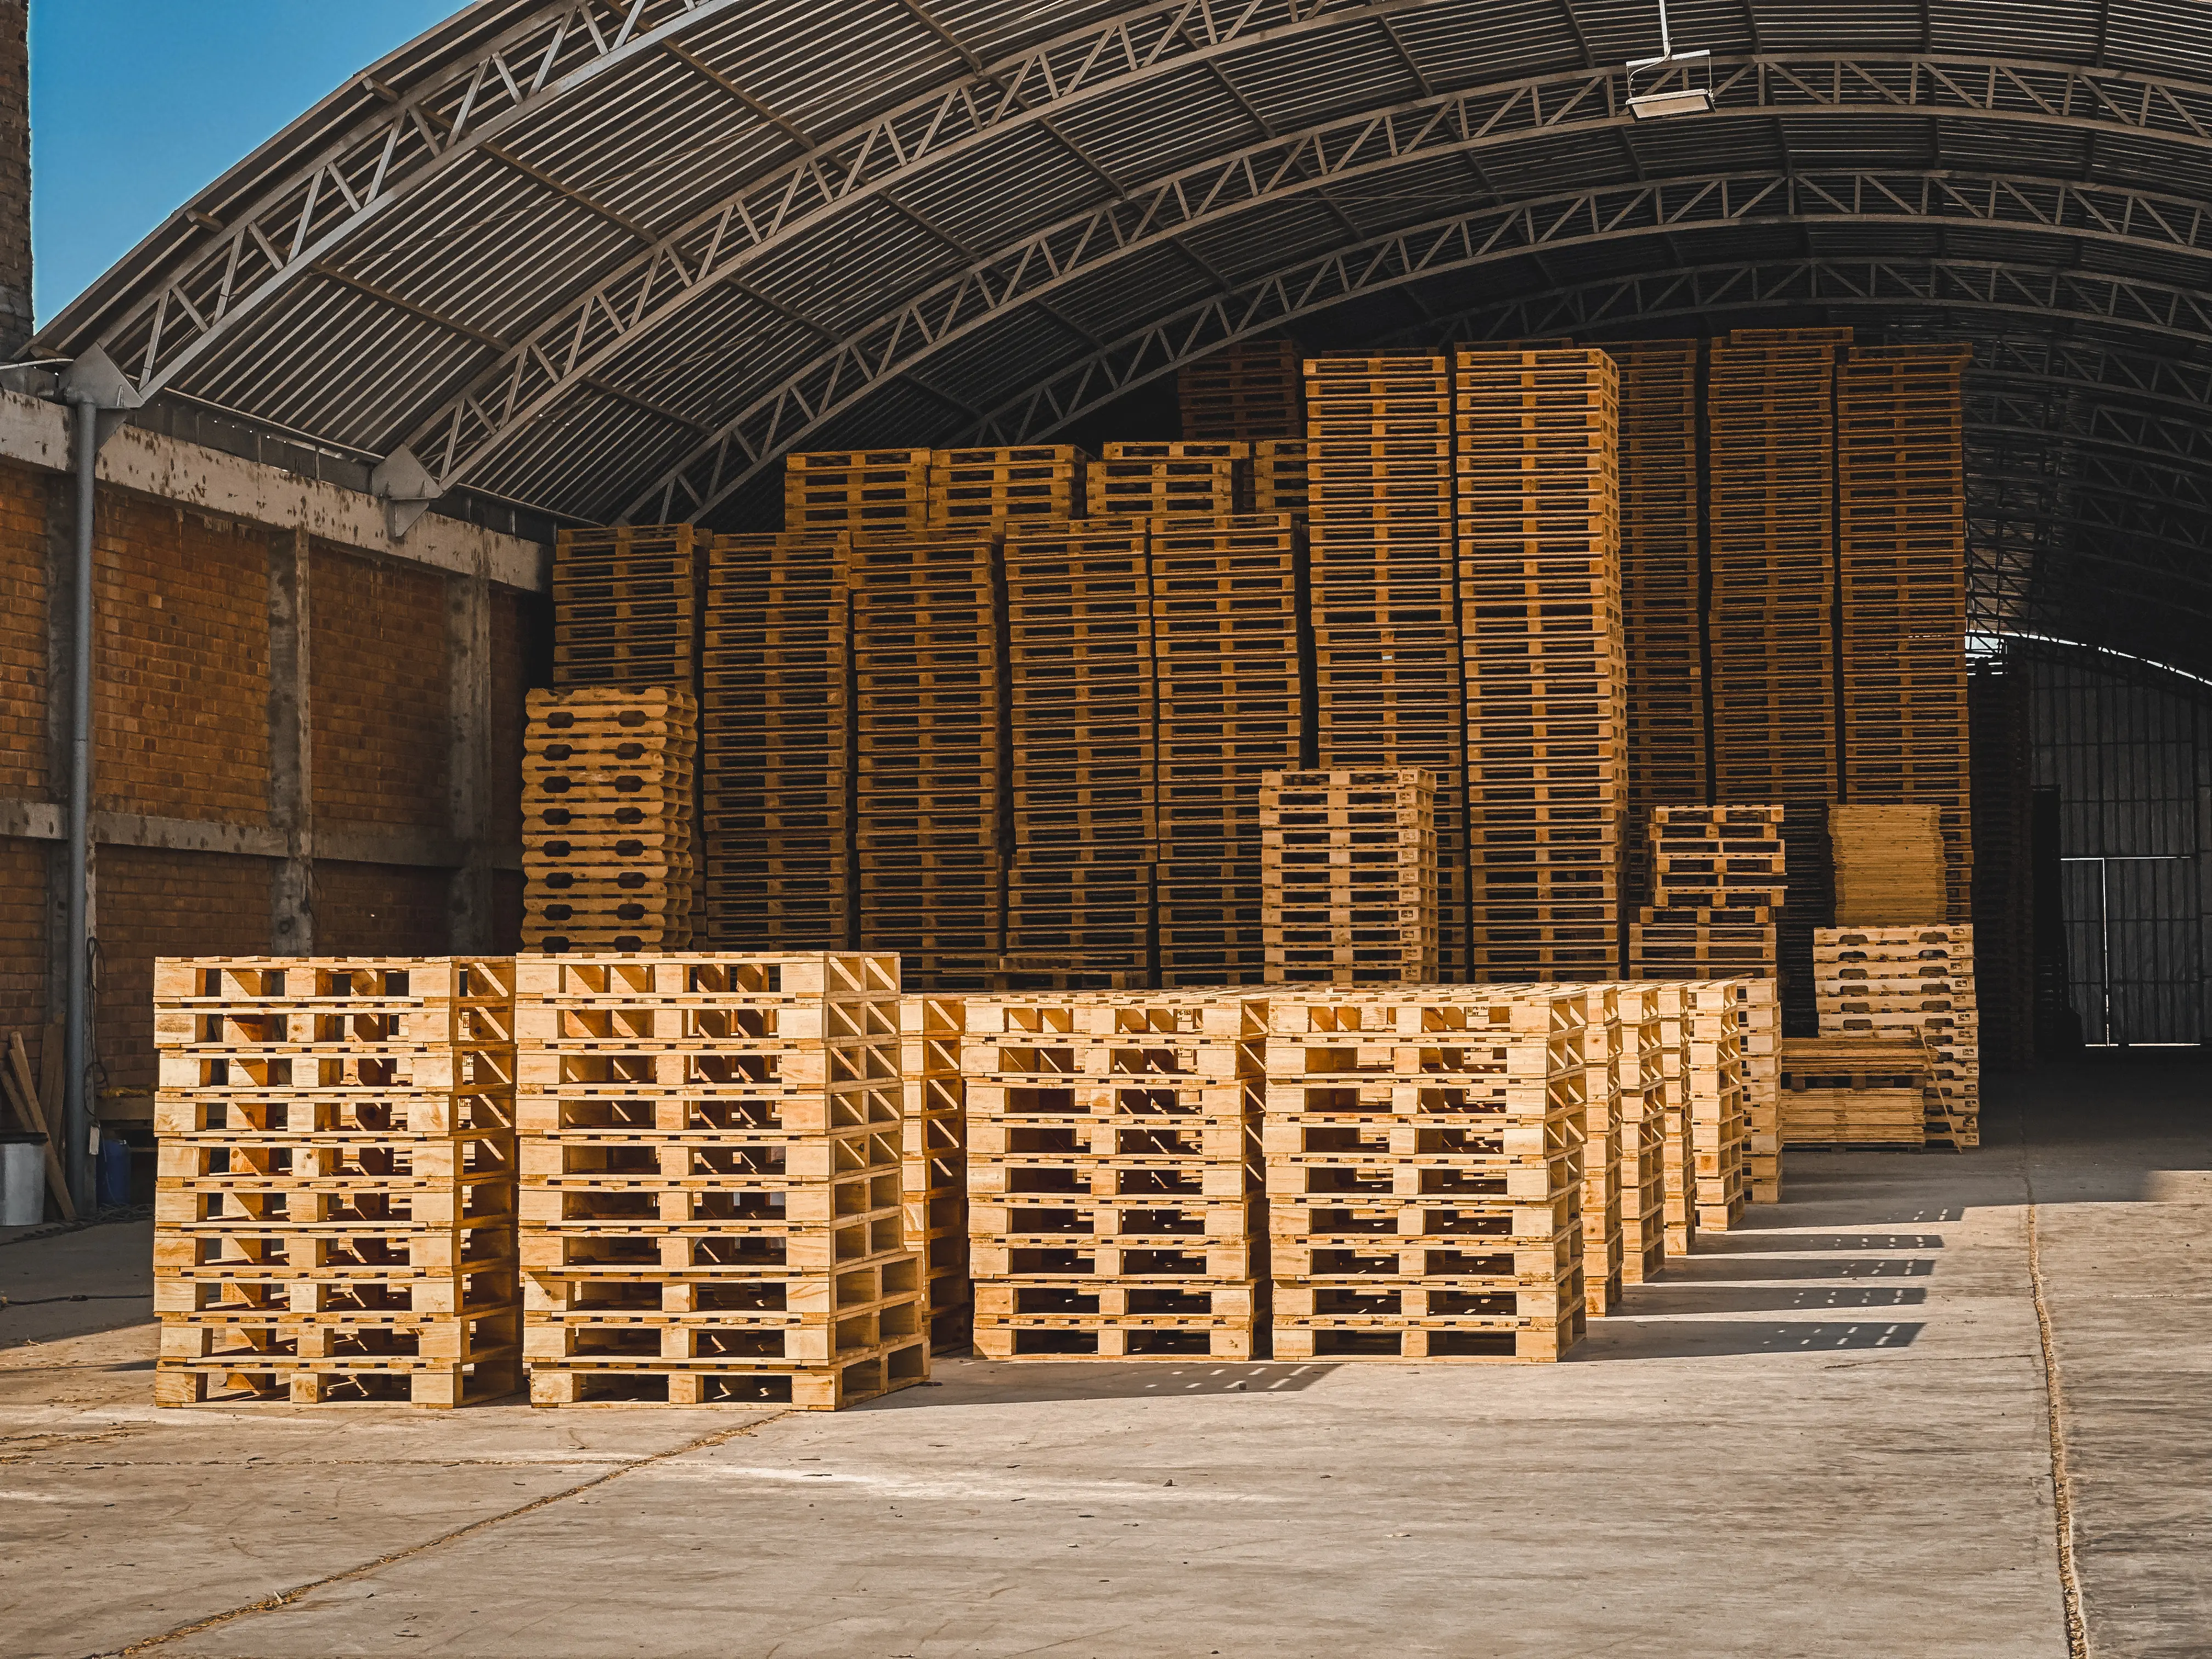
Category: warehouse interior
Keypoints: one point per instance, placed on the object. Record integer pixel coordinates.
(559, 276)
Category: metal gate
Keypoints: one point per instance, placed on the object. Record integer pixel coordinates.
(2133, 945)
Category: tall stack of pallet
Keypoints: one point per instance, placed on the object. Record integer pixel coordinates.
(983, 488)
(1905, 982)
(1671, 1006)
(1385, 604)
(608, 857)
(856, 489)
(711, 1189)
(776, 735)
(334, 1206)
(1113, 1182)
(1902, 505)
(1146, 480)
(1425, 1171)
(1348, 877)
(1078, 629)
(1605, 1053)
(933, 1163)
(1540, 633)
(1718, 883)
(625, 607)
(1759, 1024)
(1640, 1127)
(2004, 907)
(1230, 706)
(930, 751)
(1278, 475)
(1714, 1015)
(1252, 389)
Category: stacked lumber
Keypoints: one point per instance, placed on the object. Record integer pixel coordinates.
(711, 1187)
(1348, 877)
(934, 1160)
(776, 739)
(1607, 1052)
(1540, 631)
(1250, 389)
(852, 489)
(1716, 1016)
(1278, 475)
(625, 605)
(1641, 1123)
(1230, 706)
(608, 859)
(1889, 865)
(2004, 904)
(1146, 480)
(1113, 1185)
(1718, 883)
(931, 764)
(1854, 1091)
(983, 488)
(334, 1203)
(1079, 631)
(1424, 1172)
(1385, 589)
(1904, 983)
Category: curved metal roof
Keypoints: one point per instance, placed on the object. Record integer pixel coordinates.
(612, 259)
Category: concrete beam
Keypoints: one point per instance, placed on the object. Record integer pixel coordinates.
(340, 843)
(35, 434)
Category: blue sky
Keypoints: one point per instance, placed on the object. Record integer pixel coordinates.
(136, 103)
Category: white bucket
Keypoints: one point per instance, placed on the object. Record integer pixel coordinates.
(22, 1179)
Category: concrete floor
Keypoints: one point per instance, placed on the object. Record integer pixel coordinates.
(1826, 1435)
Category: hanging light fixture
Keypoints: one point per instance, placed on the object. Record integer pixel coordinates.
(1676, 83)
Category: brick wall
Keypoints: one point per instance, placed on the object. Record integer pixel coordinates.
(377, 668)
(379, 909)
(22, 631)
(23, 939)
(512, 634)
(156, 903)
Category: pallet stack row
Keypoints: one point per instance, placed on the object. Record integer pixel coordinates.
(856, 489)
(1538, 515)
(983, 488)
(1278, 475)
(776, 734)
(1842, 1091)
(1078, 632)
(1113, 1180)
(1148, 480)
(1642, 1122)
(1425, 1168)
(1888, 862)
(625, 607)
(711, 1199)
(1385, 604)
(930, 751)
(1902, 506)
(334, 1205)
(1348, 882)
(1716, 1016)
(1250, 389)
(1719, 880)
(1901, 984)
(933, 1159)
(1607, 1052)
(608, 821)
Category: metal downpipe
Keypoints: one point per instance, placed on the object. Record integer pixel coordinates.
(76, 1107)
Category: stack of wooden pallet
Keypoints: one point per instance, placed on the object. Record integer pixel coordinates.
(1424, 1150)
(1607, 1052)
(1716, 1016)
(1902, 506)
(1759, 1022)
(607, 819)
(1385, 602)
(1854, 1091)
(1540, 631)
(1903, 983)
(1113, 1181)
(855, 489)
(1349, 879)
(934, 1160)
(776, 741)
(1146, 480)
(1230, 708)
(334, 1208)
(625, 605)
(1641, 1123)
(1278, 475)
(930, 748)
(1671, 1005)
(1079, 622)
(1889, 865)
(711, 1191)
(1718, 883)
(983, 488)
(1252, 389)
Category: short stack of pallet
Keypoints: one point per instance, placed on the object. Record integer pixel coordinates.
(334, 1208)
(1641, 1121)
(1540, 632)
(1278, 475)
(711, 1187)
(1715, 1014)
(1606, 1052)
(776, 737)
(1112, 1184)
(1718, 883)
(1384, 587)
(1230, 706)
(1888, 866)
(608, 859)
(1079, 629)
(1424, 1150)
(1842, 1091)
(985, 488)
(1671, 1004)
(1146, 480)
(934, 1160)
(856, 489)
(1903, 983)
(930, 752)
(1250, 389)
(1348, 877)
(1760, 1044)
(625, 607)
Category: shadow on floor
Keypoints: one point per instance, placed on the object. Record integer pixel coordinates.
(1628, 1337)
(985, 1381)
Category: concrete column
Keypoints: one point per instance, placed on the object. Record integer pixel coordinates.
(291, 746)
(468, 667)
(61, 559)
